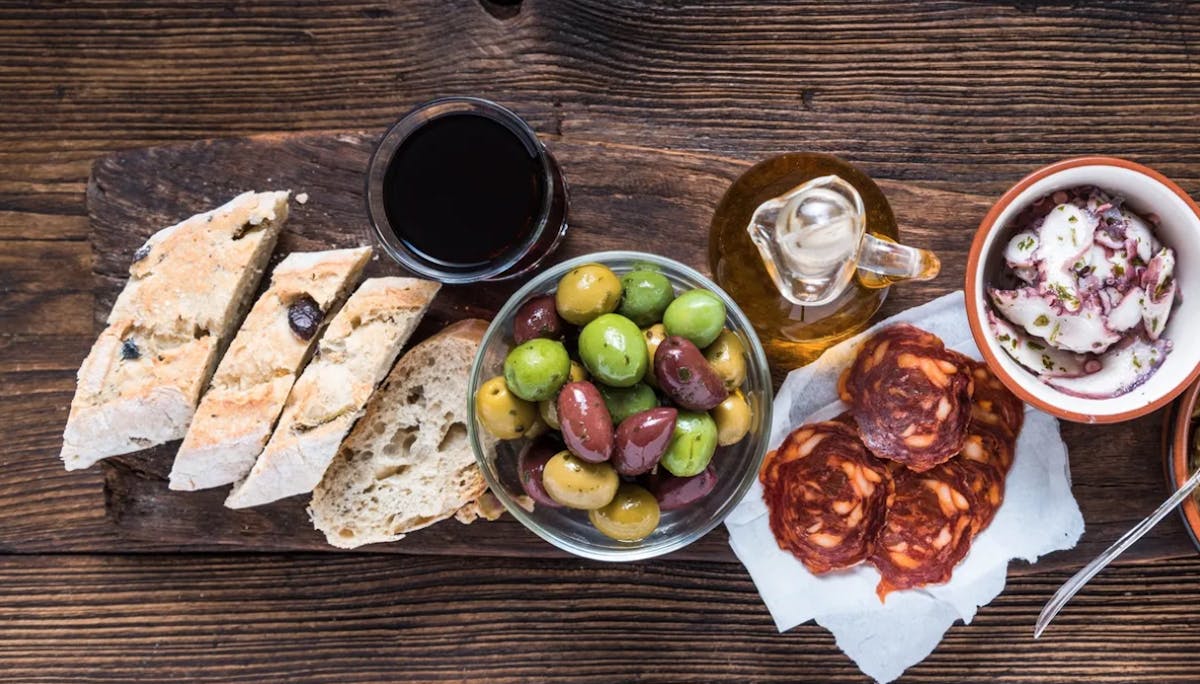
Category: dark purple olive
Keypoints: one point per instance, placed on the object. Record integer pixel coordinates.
(642, 439)
(586, 424)
(676, 492)
(129, 350)
(537, 317)
(530, 465)
(304, 316)
(686, 376)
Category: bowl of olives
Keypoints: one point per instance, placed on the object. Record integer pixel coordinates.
(621, 405)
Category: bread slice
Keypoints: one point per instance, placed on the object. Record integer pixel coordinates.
(408, 463)
(361, 344)
(188, 287)
(252, 382)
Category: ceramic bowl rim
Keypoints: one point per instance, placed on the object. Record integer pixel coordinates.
(974, 317)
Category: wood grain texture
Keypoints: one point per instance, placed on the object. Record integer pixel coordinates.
(963, 96)
(321, 618)
(622, 197)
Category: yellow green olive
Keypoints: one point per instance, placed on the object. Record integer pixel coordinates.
(645, 296)
(698, 315)
(654, 335)
(631, 515)
(586, 292)
(727, 356)
(692, 445)
(732, 417)
(578, 372)
(612, 349)
(575, 483)
(548, 411)
(538, 428)
(623, 402)
(537, 369)
(502, 413)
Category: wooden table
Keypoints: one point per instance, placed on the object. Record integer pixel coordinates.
(955, 96)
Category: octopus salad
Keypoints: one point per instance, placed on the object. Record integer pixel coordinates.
(1086, 294)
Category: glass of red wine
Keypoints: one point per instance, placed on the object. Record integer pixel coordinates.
(461, 190)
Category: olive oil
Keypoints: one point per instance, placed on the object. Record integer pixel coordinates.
(793, 334)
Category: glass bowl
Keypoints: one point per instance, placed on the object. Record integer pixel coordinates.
(736, 465)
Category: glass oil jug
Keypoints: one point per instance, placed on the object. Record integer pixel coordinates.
(807, 246)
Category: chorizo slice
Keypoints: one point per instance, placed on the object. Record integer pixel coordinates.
(827, 496)
(982, 484)
(910, 396)
(993, 403)
(926, 533)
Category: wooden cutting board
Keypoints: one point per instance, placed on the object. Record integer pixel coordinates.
(621, 197)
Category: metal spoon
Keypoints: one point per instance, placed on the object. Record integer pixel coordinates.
(1073, 585)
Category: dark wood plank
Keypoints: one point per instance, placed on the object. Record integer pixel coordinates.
(976, 92)
(622, 197)
(320, 618)
(957, 95)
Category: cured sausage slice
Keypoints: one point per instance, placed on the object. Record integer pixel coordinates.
(993, 403)
(990, 445)
(910, 396)
(982, 484)
(927, 531)
(827, 496)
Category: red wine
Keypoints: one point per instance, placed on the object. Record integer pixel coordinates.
(464, 190)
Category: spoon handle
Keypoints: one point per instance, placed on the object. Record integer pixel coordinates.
(1073, 585)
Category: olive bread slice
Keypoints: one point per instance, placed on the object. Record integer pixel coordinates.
(188, 287)
(353, 356)
(252, 382)
(407, 464)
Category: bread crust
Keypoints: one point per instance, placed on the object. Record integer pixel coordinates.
(238, 412)
(356, 352)
(407, 437)
(188, 287)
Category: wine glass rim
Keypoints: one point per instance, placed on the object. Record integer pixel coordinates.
(412, 121)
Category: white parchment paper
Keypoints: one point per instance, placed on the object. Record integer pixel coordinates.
(1039, 515)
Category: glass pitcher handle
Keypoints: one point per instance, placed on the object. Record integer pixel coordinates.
(887, 258)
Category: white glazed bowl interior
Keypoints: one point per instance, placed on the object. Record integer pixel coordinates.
(1179, 229)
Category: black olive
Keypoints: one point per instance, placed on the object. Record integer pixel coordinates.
(305, 315)
(129, 350)
(141, 253)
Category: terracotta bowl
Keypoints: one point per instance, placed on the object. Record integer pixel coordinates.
(1144, 190)
(1177, 448)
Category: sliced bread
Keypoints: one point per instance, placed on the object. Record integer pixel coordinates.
(238, 412)
(408, 463)
(360, 345)
(188, 287)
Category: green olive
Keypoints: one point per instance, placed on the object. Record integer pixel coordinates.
(548, 411)
(645, 296)
(537, 369)
(732, 417)
(575, 483)
(502, 413)
(727, 356)
(654, 335)
(692, 444)
(698, 315)
(631, 516)
(613, 350)
(587, 291)
(623, 402)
